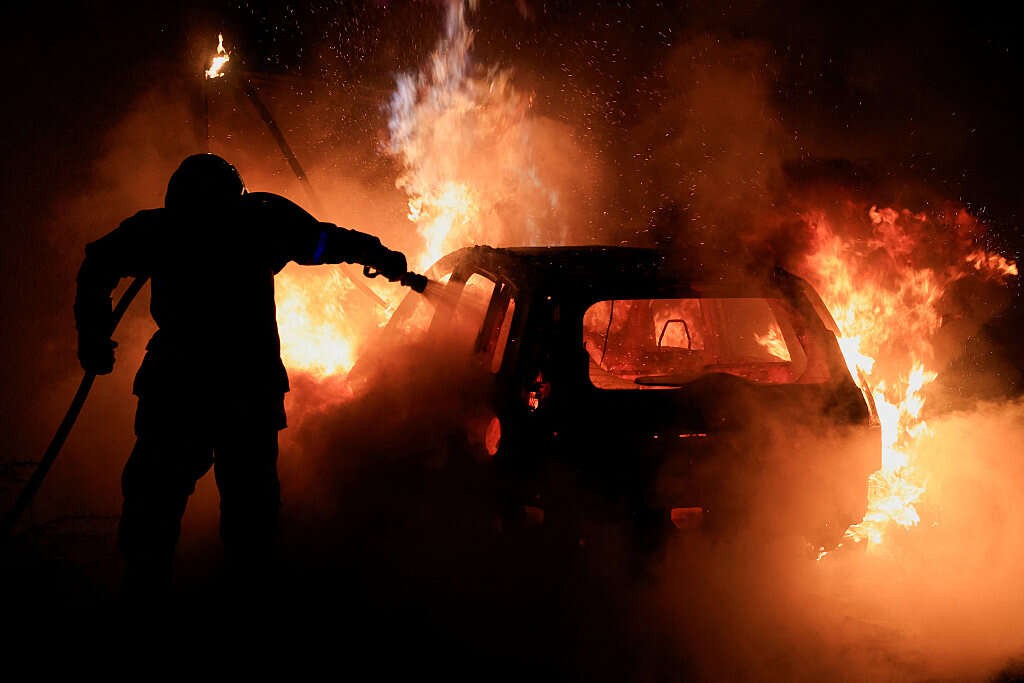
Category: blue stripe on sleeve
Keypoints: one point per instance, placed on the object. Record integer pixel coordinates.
(321, 247)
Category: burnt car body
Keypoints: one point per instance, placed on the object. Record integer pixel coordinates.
(616, 383)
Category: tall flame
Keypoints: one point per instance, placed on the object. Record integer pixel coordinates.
(464, 144)
(463, 138)
(219, 60)
(316, 334)
(884, 302)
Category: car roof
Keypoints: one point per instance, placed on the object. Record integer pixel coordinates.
(589, 266)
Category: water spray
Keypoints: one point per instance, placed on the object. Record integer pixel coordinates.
(420, 284)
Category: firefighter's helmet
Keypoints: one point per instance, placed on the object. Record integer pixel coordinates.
(203, 180)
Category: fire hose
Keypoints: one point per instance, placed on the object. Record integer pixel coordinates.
(414, 281)
(60, 436)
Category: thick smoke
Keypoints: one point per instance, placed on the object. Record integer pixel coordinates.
(942, 603)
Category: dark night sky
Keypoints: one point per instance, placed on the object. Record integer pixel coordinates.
(909, 95)
(934, 86)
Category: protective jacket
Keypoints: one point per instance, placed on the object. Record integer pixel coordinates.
(212, 277)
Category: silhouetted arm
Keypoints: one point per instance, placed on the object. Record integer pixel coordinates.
(340, 245)
(108, 259)
(333, 244)
(310, 242)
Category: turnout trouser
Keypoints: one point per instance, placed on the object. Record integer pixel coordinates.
(162, 473)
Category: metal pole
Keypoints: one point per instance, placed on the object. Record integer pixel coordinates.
(206, 114)
(250, 91)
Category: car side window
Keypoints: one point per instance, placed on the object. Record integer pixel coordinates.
(503, 334)
(471, 310)
(497, 325)
(481, 320)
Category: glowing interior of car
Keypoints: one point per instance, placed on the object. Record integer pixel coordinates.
(665, 343)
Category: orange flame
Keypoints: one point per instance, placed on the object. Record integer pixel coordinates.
(886, 309)
(323, 322)
(310, 339)
(219, 60)
(464, 143)
(773, 343)
(992, 263)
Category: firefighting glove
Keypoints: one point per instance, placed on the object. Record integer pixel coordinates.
(390, 264)
(97, 355)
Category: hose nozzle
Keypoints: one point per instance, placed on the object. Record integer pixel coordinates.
(414, 281)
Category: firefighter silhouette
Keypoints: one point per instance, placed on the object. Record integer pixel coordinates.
(211, 387)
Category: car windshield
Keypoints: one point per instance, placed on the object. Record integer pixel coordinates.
(665, 343)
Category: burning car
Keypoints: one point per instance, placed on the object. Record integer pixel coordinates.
(622, 384)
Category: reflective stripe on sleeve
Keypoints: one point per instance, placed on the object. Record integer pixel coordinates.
(321, 247)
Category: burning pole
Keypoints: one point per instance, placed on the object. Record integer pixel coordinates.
(245, 86)
(216, 70)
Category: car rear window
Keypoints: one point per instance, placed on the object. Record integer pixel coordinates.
(664, 343)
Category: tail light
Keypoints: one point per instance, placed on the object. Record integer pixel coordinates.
(687, 518)
(492, 437)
